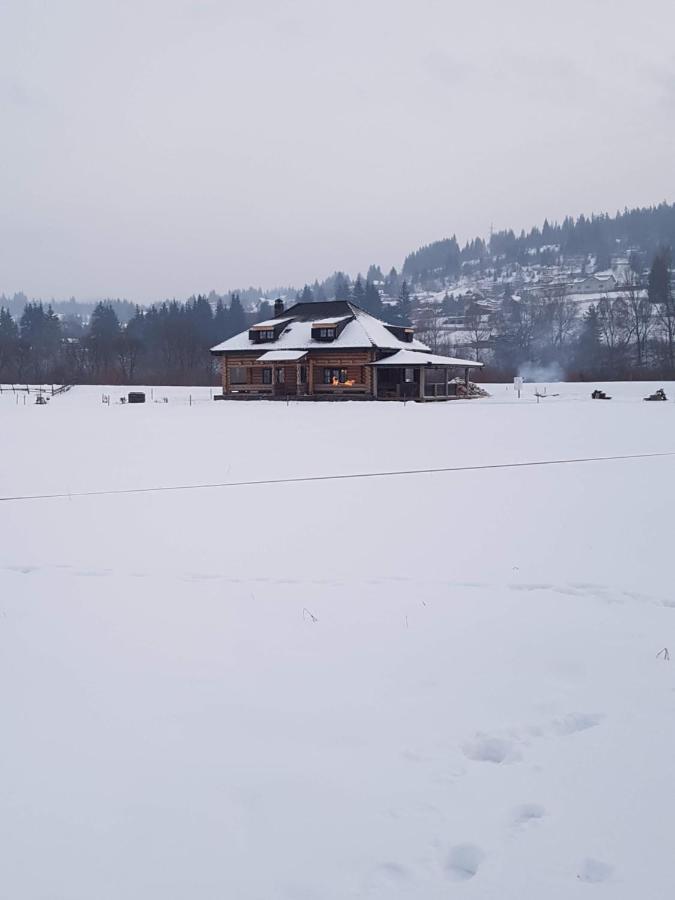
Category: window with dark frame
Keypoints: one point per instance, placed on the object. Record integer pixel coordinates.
(281, 375)
(267, 376)
(324, 333)
(334, 376)
(238, 375)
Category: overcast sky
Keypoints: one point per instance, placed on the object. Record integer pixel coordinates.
(154, 148)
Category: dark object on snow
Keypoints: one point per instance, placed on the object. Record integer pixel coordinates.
(657, 395)
(136, 397)
(41, 400)
(600, 395)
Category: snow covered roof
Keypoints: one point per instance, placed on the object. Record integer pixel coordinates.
(330, 322)
(282, 355)
(407, 358)
(360, 331)
(271, 323)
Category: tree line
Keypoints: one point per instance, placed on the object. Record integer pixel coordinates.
(161, 344)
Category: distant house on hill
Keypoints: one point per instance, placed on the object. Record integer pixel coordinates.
(593, 284)
(334, 350)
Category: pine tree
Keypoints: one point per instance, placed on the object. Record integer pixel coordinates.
(202, 314)
(589, 348)
(372, 302)
(404, 307)
(660, 294)
(40, 332)
(635, 262)
(342, 290)
(358, 293)
(9, 330)
(659, 287)
(306, 296)
(265, 311)
(9, 343)
(220, 321)
(391, 283)
(236, 316)
(103, 333)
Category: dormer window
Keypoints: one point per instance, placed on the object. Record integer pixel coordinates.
(403, 333)
(330, 329)
(264, 332)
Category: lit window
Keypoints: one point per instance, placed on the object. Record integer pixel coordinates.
(336, 377)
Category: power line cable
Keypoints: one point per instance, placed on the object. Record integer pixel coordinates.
(299, 479)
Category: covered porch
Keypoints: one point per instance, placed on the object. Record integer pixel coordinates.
(276, 373)
(299, 374)
(412, 375)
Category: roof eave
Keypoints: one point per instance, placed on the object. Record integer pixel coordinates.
(322, 348)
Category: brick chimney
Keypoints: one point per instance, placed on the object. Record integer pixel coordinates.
(278, 307)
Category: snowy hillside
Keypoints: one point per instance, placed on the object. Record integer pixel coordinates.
(419, 686)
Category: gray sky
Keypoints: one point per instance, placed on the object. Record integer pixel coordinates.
(154, 148)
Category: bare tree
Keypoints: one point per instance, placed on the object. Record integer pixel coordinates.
(640, 314)
(479, 326)
(660, 293)
(563, 314)
(430, 326)
(127, 350)
(615, 328)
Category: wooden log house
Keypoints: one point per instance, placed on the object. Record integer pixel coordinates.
(335, 350)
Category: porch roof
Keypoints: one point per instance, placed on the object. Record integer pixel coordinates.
(282, 356)
(412, 358)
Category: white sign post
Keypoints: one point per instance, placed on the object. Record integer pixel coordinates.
(518, 383)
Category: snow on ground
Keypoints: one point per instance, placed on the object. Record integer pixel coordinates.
(430, 686)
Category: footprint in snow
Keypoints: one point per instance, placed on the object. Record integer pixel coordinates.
(593, 871)
(387, 876)
(527, 813)
(575, 722)
(484, 748)
(463, 862)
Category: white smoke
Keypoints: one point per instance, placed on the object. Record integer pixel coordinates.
(536, 372)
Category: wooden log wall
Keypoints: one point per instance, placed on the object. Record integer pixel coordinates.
(355, 362)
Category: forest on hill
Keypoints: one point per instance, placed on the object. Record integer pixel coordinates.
(640, 232)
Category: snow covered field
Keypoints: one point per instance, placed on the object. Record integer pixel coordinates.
(424, 686)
